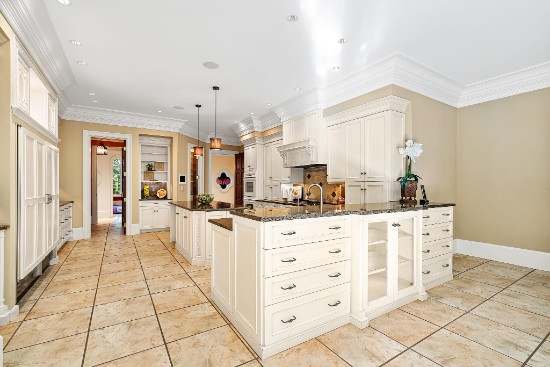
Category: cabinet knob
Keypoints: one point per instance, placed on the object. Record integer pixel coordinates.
(289, 320)
(185, 216)
(334, 304)
(446, 265)
(446, 230)
(396, 225)
(426, 234)
(426, 251)
(292, 286)
(446, 246)
(335, 227)
(426, 272)
(337, 251)
(426, 217)
(335, 275)
(177, 213)
(446, 214)
(290, 260)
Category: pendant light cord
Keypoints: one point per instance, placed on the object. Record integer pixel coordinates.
(198, 123)
(215, 113)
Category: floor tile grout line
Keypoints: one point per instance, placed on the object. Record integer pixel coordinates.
(536, 349)
(332, 351)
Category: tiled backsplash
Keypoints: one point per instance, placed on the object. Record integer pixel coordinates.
(318, 175)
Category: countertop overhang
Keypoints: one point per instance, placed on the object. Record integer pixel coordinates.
(225, 223)
(214, 206)
(63, 203)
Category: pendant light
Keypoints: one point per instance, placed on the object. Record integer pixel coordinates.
(101, 148)
(197, 150)
(215, 142)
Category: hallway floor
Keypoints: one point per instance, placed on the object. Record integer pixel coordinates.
(116, 300)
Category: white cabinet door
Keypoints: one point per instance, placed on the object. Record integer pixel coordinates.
(335, 154)
(377, 133)
(222, 267)
(376, 192)
(147, 215)
(162, 217)
(355, 193)
(287, 132)
(276, 190)
(252, 158)
(353, 148)
(52, 202)
(208, 230)
(186, 231)
(268, 194)
(268, 173)
(276, 162)
(179, 228)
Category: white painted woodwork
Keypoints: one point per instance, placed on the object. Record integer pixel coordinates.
(437, 246)
(147, 217)
(354, 150)
(23, 86)
(250, 158)
(336, 165)
(154, 149)
(274, 171)
(208, 230)
(52, 188)
(223, 258)
(65, 223)
(289, 233)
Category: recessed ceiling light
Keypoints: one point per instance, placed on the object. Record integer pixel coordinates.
(91, 93)
(64, 2)
(251, 113)
(269, 105)
(297, 89)
(343, 40)
(75, 43)
(82, 63)
(210, 65)
(335, 68)
(292, 18)
(159, 111)
(178, 107)
(94, 101)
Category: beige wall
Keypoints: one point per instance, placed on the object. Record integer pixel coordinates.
(504, 172)
(219, 163)
(431, 123)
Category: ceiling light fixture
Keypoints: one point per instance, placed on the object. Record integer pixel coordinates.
(91, 93)
(75, 43)
(210, 65)
(251, 113)
(342, 40)
(215, 142)
(297, 89)
(82, 63)
(335, 68)
(159, 111)
(94, 101)
(197, 150)
(269, 105)
(64, 2)
(101, 148)
(292, 18)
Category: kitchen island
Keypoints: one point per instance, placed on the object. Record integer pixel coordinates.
(284, 275)
(190, 228)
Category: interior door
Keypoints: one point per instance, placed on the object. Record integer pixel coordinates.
(239, 178)
(123, 188)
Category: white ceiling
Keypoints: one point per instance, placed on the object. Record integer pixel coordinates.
(146, 55)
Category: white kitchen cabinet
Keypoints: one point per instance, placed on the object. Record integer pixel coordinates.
(387, 266)
(223, 266)
(208, 230)
(353, 161)
(154, 215)
(65, 223)
(336, 167)
(250, 158)
(274, 171)
(437, 246)
(361, 192)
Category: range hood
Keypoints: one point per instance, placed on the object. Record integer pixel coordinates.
(302, 153)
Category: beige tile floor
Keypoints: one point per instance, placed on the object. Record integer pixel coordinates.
(117, 300)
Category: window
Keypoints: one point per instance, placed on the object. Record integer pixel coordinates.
(117, 176)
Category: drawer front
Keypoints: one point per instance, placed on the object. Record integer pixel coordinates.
(290, 259)
(296, 232)
(439, 215)
(437, 266)
(434, 249)
(284, 287)
(435, 232)
(290, 318)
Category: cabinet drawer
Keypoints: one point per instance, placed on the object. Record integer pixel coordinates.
(434, 232)
(306, 231)
(437, 266)
(442, 215)
(434, 249)
(293, 285)
(290, 259)
(287, 319)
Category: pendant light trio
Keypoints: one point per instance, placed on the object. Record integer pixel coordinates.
(215, 142)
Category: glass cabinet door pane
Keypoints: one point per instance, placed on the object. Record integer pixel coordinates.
(405, 249)
(377, 276)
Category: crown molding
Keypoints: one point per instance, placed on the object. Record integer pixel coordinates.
(269, 121)
(389, 103)
(121, 118)
(304, 103)
(247, 126)
(521, 81)
(36, 33)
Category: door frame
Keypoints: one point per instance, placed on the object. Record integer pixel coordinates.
(212, 153)
(200, 168)
(86, 176)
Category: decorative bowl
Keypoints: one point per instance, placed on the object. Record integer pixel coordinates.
(205, 199)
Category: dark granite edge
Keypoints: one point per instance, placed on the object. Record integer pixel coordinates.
(63, 203)
(3, 227)
(225, 223)
(334, 213)
(209, 209)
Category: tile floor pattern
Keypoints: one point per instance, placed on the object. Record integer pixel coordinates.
(117, 300)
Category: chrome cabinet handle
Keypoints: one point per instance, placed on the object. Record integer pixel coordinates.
(446, 214)
(292, 286)
(292, 259)
(426, 234)
(335, 227)
(396, 225)
(446, 230)
(426, 251)
(289, 320)
(426, 272)
(335, 275)
(185, 216)
(426, 217)
(289, 233)
(337, 251)
(177, 213)
(334, 304)
(446, 265)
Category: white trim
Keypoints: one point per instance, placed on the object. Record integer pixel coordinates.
(388, 103)
(22, 115)
(86, 177)
(78, 234)
(511, 255)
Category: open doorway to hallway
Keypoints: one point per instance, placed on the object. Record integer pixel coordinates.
(108, 181)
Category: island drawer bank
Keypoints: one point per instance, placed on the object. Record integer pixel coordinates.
(288, 274)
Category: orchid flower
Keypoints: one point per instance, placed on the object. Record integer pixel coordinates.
(411, 151)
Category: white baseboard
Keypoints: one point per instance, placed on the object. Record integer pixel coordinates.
(132, 229)
(511, 255)
(78, 234)
(7, 315)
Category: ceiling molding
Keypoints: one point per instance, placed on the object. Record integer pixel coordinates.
(269, 121)
(302, 104)
(389, 103)
(121, 118)
(36, 33)
(247, 126)
(521, 81)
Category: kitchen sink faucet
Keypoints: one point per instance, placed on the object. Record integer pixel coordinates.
(320, 189)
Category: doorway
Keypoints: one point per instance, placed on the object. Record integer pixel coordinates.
(107, 181)
(195, 167)
(239, 179)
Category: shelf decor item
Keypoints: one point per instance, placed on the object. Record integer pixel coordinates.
(205, 199)
(159, 166)
(161, 193)
(224, 181)
(409, 181)
(148, 176)
(150, 166)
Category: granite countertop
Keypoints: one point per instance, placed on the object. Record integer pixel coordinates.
(329, 210)
(214, 206)
(154, 199)
(226, 223)
(3, 227)
(63, 203)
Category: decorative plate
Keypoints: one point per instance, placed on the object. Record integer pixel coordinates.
(161, 193)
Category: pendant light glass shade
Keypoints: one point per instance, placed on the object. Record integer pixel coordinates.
(215, 142)
(198, 150)
(101, 149)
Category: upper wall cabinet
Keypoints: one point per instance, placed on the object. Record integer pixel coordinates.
(33, 99)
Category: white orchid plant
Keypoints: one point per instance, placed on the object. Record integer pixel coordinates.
(411, 151)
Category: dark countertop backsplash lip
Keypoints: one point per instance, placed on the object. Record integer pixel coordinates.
(194, 206)
(330, 210)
